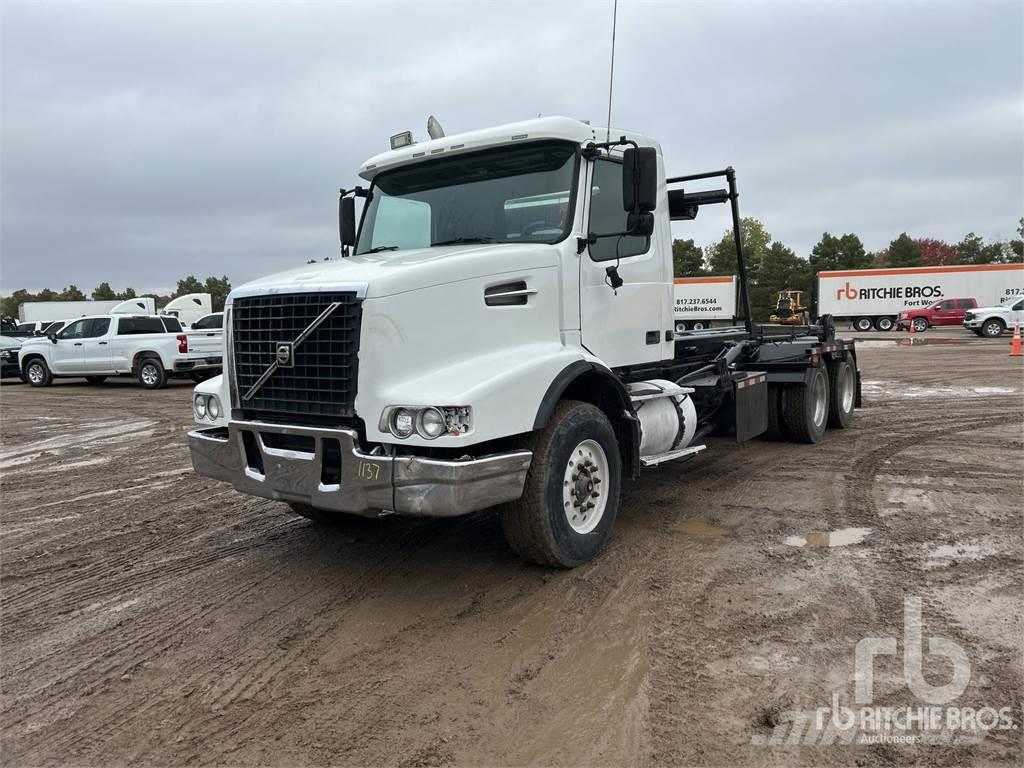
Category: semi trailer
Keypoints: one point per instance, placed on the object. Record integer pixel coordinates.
(500, 333)
(47, 312)
(880, 298)
(701, 300)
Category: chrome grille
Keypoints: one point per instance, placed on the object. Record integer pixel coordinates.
(321, 382)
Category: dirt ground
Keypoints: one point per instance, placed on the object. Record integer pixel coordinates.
(150, 617)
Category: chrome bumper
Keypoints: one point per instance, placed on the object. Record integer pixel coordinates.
(368, 483)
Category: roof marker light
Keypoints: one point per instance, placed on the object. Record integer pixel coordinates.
(403, 139)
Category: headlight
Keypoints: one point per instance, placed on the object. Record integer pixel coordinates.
(428, 422)
(5, 354)
(213, 408)
(401, 422)
(200, 406)
(207, 407)
(431, 423)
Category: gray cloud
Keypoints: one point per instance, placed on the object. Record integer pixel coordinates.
(144, 142)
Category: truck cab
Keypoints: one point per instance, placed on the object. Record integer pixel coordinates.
(500, 332)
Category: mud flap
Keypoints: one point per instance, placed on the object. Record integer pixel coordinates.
(745, 412)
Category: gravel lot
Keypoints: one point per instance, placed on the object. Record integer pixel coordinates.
(153, 617)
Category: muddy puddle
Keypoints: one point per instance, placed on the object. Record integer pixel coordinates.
(819, 539)
(909, 341)
(894, 389)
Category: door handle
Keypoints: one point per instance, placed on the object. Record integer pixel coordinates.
(103, 343)
(78, 343)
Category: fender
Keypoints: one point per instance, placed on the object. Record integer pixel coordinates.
(610, 395)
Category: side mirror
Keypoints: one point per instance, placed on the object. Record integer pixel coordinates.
(640, 179)
(640, 224)
(52, 336)
(347, 220)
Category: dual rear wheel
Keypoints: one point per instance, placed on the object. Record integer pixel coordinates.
(802, 412)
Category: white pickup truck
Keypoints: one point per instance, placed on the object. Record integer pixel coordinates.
(148, 347)
(994, 321)
(204, 341)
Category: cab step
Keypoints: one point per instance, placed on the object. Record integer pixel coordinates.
(658, 458)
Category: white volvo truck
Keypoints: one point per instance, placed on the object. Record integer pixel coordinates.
(500, 332)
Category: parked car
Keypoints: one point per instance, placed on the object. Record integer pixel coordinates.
(944, 312)
(994, 321)
(9, 347)
(148, 347)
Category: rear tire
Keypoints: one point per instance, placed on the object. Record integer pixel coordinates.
(805, 408)
(993, 329)
(862, 324)
(37, 373)
(95, 380)
(776, 427)
(884, 323)
(842, 387)
(152, 374)
(571, 496)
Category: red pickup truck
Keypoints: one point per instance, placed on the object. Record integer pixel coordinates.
(944, 312)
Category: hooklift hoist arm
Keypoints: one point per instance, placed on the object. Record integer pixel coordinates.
(684, 206)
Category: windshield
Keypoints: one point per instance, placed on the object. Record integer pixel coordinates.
(509, 195)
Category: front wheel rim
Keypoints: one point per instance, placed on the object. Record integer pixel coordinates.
(35, 374)
(992, 329)
(585, 486)
(149, 374)
(920, 325)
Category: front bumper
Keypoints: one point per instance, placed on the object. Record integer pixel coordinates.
(366, 483)
(973, 323)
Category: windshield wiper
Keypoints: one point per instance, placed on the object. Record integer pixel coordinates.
(464, 240)
(380, 248)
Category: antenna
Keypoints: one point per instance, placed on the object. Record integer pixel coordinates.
(611, 74)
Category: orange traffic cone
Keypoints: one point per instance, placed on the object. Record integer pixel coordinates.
(911, 328)
(1015, 350)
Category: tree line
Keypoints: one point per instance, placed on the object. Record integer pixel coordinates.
(217, 287)
(773, 266)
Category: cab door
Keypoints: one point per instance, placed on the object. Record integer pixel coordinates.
(625, 325)
(944, 312)
(96, 346)
(66, 353)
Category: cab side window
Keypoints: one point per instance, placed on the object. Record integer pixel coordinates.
(608, 217)
(98, 327)
(965, 303)
(947, 304)
(208, 322)
(76, 330)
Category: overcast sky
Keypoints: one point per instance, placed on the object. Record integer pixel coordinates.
(144, 142)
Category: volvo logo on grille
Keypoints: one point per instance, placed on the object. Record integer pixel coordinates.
(284, 351)
(283, 354)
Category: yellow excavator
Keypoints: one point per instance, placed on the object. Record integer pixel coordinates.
(790, 309)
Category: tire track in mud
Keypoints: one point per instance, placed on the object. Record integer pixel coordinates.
(260, 668)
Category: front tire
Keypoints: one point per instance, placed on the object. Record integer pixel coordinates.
(152, 374)
(884, 323)
(571, 496)
(806, 408)
(920, 324)
(992, 329)
(37, 373)
(862, 324)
